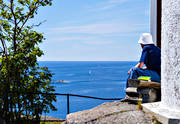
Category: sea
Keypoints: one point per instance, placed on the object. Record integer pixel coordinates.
(104, 79)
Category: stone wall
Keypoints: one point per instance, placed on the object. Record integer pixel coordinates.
(170, 72)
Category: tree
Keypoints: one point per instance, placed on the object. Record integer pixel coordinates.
(23, 83)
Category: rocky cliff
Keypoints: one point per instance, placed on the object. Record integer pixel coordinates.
(117, 112)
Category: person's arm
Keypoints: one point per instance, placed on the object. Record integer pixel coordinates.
(142, 59)
(139, 65)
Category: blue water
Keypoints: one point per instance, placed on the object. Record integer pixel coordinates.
(94, 78)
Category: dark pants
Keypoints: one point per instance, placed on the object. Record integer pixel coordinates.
(137, 72)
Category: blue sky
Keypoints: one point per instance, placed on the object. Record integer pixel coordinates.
(93, 30)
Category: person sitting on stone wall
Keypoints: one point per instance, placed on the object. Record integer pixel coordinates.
(150, 57)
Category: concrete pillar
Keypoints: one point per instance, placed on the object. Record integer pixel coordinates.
(171, 54)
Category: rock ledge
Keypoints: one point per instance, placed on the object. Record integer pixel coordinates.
(117, 112)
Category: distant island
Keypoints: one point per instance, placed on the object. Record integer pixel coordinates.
(60, 81)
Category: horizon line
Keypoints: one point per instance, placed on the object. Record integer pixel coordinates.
(88, 60)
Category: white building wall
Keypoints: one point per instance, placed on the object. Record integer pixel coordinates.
(170, 69)
(153, 19)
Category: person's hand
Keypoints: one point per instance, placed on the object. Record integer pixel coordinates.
(129, 71)
(144, 67)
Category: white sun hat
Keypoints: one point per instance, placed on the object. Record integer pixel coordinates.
(145, 38)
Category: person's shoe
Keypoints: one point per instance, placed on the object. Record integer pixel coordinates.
(132, 92)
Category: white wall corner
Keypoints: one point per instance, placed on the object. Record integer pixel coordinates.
(153, 20)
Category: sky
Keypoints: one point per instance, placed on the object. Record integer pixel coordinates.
(93, 30)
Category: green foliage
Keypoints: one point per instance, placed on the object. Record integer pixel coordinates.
(20, 74)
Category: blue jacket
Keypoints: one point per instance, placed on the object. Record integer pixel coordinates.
(151, 56)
